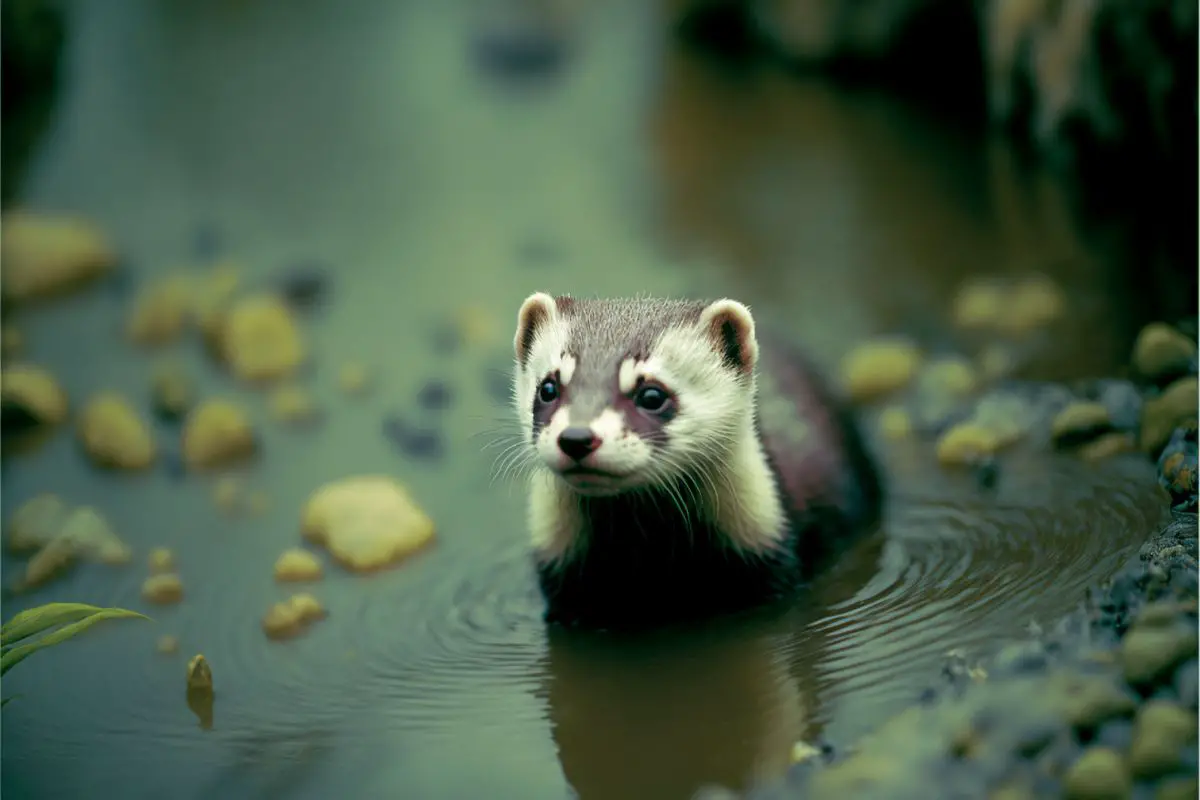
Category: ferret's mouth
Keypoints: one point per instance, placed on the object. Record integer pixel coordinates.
(589, 480)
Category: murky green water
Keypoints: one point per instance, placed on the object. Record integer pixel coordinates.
(366, 135)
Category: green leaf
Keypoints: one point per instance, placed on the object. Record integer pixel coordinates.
(4, 702)
(19, 653)
(36, 620)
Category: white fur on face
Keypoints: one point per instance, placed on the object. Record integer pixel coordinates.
(622, 453)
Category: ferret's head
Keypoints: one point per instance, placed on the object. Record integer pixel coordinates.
(617, 395)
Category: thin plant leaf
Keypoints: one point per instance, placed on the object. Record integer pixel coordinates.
(35, 620)
(21, 652)
(4, 702)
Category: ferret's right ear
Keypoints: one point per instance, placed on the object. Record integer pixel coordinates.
(537, 310)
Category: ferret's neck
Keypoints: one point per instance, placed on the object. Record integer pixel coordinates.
(735, 503)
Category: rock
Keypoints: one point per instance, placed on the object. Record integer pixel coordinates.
(199, 674)
(161, 560)
(1161, 415)
(49, 254)
(1123, 401)
(366, 522)
(879, 368)
(293, 405)
(296, 564)
(1106, 446)
(217, 433)
(212, 296)
(49, 562)
(292, 617)
(435, 396)
(980, 304)
(895, 423)
(167, 645)
(1099, 774)
(1034, 302)
(172, 392)
(1186, 683)
(1161, 353)
(1177, 789)
(1177, 467)
(803, 751)
(36, 522)
(35, 390)
(1079, 423)
(1006, 415)
(90, 536)
(1160, 733)
(995, 361)
(260, 340)
(12, 342)
(411, 440)
(1092, 701)
(160, 311)
(966, 444)
(162, 589)
(1150, 654)
(354, 378)
(113, 435)
(941, 388)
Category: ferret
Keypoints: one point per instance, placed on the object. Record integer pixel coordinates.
(678, 474)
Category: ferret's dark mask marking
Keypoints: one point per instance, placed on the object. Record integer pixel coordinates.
(542, 410)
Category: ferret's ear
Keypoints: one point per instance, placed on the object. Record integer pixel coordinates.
(730, 327)
(537, 310)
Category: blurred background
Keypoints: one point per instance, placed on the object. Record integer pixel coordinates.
(403, 174)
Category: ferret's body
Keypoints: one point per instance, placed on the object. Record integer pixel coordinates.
(680, 474)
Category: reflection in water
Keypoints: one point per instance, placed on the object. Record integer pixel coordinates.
(369, 140)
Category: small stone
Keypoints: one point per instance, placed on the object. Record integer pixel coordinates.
(36, 522)
(212, 298)
(1159, 614)
(296, 565)
(199, 675)
(160, 311)
(162, 589)
(366, 522)
(966, 444)
(980, 304)
(411, 440)
(1035, 301)
(161, 560)
(49, 254)
(879, 368)
(292, 617)
(1099, 774)
(1160, 733)
(49, 562)
(1107, 446)
(354, 379)
(90, 535)
(12, 341)
(1162, 353)
(953, 375)
(1092, 701)
(36, 390)
(1177, 465)
(260, 340)
(895, 423)
(1149, 654)
(435, 396)
(1177, 789)
(1163, 414)
(172, 392)
(1079, 423)
(113, 435)
(217, 433)
(167, 645)
(295, 406)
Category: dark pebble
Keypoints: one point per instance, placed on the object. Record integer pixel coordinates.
(17, 418)
(1116, 733)
(305, 286)
(987, 473)
(435, 396)
(412, 441)
(1186, 683)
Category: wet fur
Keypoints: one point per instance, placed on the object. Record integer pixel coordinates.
(732, 514)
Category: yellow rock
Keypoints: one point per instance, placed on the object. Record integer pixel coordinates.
(1034, 302)
(980, 304)
(161, 560)
(160, 311)
(199, 674)
(292, 617)
(879, 367)
(1079, 418)
(162, 589)
(261, 340)
(895, 423)
(35, 389)
(966, 444)
(293, 405)
(296, 565)
(1162, 350)
(49, 254)
(366, 522)
(113, 434)
(1161, 415)
(217, 432)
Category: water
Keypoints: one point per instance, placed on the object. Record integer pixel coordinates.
(377, 139)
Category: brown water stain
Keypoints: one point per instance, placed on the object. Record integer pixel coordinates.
(366, 137)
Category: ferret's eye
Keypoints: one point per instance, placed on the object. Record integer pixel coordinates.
(650, 398)
(548, 391)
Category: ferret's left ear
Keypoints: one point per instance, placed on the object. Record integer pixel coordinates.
(730, 327)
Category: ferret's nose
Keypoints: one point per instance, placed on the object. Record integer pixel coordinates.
(578, 442)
